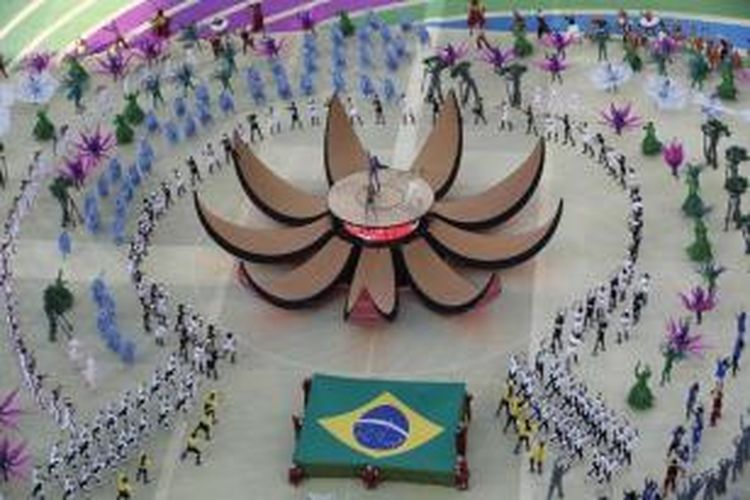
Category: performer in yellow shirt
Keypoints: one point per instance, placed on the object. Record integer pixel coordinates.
(537, 456)
(515, 410)
(504, 399)
(192, 447)
(204, 425)
(124, 490)
(526, 431)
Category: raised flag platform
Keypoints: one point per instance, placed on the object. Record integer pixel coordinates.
(407, 430)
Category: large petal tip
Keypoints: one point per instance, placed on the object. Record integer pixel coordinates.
(501, 201)
(276, 197)
(440, 157)
(263, 245)
(309, 282)
(494, 250)
(438, 284)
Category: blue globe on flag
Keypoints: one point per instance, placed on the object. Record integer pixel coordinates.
(384, 427)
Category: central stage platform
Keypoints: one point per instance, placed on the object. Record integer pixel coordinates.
(403, 198)
(406, 429)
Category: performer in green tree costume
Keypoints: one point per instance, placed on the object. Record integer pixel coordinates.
(651, 145)
(58, 299)
(522, 47)
(44, 129)
(700, 250)
(632, 57)
(693, 206)
(727, 90)
(640, 396)
(346, 25)
(76, 82)
(133, 112)
(123, 131)
(699, 70)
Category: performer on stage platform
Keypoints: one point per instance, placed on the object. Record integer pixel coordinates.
(373, 179)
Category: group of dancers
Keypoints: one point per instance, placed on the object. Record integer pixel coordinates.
(543, 404)
(121, 430)
(546, 403)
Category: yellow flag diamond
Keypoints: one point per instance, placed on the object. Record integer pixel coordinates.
(384, 427)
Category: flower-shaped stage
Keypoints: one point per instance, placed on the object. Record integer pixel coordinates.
(405, 234)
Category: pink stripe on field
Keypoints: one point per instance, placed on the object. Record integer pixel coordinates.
(241, 18)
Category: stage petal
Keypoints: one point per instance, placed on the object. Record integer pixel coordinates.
(264, 245)
(342, 151)
(501, 201)
(309, 281)
(272, 194)
(493, 251)
(437, 283)
(440, 156)
(375, 276)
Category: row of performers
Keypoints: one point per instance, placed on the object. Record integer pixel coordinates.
(161, 27)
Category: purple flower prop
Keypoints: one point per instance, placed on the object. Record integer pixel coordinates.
(699, 300)
(10, 410)
(497, 57)
(14, 459)
(94, 147)
(553, 64)
(558, 41)
(38, 62)
(674, 155)
(114, 64)
(451, 54)
(620, 118)
(75, 170)
(270, 48)
(306, 20)
(150, 49)
(680, 342)
(664, 46)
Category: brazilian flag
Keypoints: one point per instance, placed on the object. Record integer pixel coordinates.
(407, 429)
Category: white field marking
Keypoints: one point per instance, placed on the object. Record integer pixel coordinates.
(59, 23)
(171, 459)
(20, 17)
